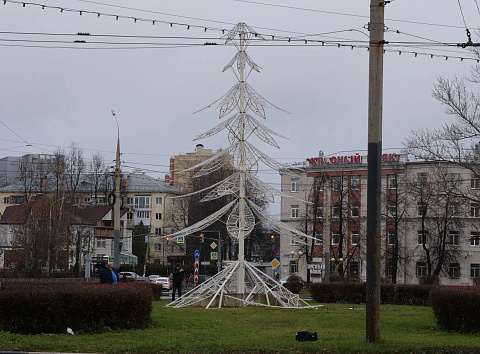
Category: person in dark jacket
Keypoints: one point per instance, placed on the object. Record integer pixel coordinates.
(177, 280)
(105, 274)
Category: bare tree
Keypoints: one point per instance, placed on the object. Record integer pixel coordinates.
(441, 213)
(31, 175)
(74, 168)
(56, 167)
(96, 172)
(396, 202)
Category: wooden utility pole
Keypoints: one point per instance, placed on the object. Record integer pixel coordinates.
(375, 98)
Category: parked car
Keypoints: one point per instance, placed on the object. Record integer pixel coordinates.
(128, 276)
(283, 281)
(202, 278)
(165, 281)
(144, 279)
(153, 278)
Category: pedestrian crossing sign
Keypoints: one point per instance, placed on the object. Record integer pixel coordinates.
(213, 256)
(181, 239)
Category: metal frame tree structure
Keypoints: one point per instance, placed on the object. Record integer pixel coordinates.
(241, 284)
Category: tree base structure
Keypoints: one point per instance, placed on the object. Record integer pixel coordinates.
(222, 291)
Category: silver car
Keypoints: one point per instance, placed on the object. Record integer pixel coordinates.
(165, 281)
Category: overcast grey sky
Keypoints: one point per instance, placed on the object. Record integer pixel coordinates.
(51, 97)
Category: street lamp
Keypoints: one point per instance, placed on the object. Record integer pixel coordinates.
(297, 256)
(337, 263)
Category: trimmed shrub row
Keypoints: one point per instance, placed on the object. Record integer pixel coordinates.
(356, 293)
(32, 308)
(457, 308)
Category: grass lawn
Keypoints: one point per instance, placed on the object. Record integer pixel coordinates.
(404, 329)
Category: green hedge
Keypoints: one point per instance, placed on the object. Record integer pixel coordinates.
(457, 308)
(353, 293)
(35, 307)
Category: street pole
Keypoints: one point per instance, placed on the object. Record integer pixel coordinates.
(326, 234)
(116, 206)
(375, 98)
(219, 260)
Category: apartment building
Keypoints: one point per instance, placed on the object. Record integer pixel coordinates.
(430, 220)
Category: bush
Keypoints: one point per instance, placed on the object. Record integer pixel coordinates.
(36, 307)
(457, 308)
(294, 283)
(354, 293)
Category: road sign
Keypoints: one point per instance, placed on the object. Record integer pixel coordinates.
(213, 245)
(181, 239)
(195, 273)
(275, 263)
(213, 256)
(197, 254)
(111, 259)
(205, 263)
(94, 251)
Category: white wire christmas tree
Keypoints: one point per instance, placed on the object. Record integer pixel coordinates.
(240, 283)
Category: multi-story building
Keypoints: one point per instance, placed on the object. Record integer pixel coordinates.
(89, 231)
(146, 198)
(178, 177)
(430, 220)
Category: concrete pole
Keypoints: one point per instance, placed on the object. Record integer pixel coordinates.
(116, 206)
(375, 99)
(326, 233)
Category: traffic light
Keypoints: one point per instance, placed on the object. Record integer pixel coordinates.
(167, 239)
(272, 237)
(201, 238)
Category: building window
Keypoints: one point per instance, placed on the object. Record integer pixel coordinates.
(335, 238)
(318, 238)
(390, 269)
(355, 182)
(143, 215)
(158, 216)
(454, 180)
(295, 185)
(421, 209)
(391, 238)
(475, 239)
(336, 211)
(101, 243)
(392, 181)
(474, 270)
(158, 200)
(474, 182)
(6, 200)
(454, 210)
(475, 210)
(294, 212)
(422, 179)
(319, 211)
(129, 201)
(158, 231)
(354, 238)
(294, 240)
(293, 267)
(421, 237)
(421, 269)
(336, 183)
(157, 247)
(129, 216)
(354, 208)
(353, 269)
(392, 209)
(453, 237)
(454, 270)
(87, 200)
(319, 183)
(142, 202)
